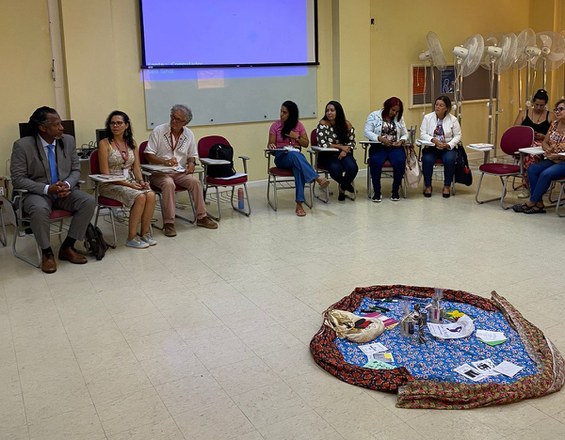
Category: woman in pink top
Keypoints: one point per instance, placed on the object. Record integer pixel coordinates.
(288, 131)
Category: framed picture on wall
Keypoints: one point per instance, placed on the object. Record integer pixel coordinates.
(476, 87)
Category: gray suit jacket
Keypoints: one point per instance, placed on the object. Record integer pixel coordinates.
(29, 166)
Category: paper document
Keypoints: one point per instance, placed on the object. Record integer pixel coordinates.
(378, 365)
(469, 372)
(531, 150)
(208, 161)
(235, 176)
(491, 338)
(106, 177)
(508, 368)
(481, 146)
(462, 328)
(370, 349)
(425, 143)
(162, 168)
(486, 367)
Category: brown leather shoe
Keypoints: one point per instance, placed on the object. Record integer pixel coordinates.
(48, 263)
(69, 254)
(206, 222)
(169, 230)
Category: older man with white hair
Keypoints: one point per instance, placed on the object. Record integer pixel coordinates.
(172, 144)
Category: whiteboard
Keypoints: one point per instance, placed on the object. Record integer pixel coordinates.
(229, 95)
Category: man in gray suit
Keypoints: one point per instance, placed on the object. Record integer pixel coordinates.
(47, 166)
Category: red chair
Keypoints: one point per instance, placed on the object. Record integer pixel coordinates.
(143, 161)
(512, 140)
(239, 180)
(101, 201)
(56, 218)
(280, 179)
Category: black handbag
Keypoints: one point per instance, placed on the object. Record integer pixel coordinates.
(463, 173)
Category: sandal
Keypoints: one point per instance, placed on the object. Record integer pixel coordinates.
(534, 210)
(300, 211)
(520, 207)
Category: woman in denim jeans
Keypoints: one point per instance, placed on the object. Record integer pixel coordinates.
(541, 174)
(444, 132)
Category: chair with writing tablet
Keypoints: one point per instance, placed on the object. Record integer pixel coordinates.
(512, 140)
(147, 173)
(240, 200)
(103, 202)
(282, 179)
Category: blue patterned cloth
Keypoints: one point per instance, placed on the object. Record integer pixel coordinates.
(436, 359)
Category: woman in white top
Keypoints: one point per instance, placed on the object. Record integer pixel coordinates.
(387, 127)
(444, 132)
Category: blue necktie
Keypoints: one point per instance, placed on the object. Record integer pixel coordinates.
(52, 164)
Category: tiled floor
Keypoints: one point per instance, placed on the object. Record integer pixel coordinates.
(205, 336)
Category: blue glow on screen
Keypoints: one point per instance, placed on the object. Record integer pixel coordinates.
(227, 32)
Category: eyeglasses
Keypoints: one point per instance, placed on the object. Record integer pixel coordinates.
(117, 123)
(558, 109)
(176, 119)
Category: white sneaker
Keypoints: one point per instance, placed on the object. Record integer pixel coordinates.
(148, 238)
(524, 194)
(137, 243)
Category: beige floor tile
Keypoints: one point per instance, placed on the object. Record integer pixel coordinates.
(358, 416)
(113, 378)
(270, 404)
(224, 318)
(156, 345)
(221, 420)
(222, 351)
(132, 411)
(320, 388)
(306, 426)
(291, 362)
(191, 392)
(165, 429)
(80, 424)
(175, 365)
(243, 376)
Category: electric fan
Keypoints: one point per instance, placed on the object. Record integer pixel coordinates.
(467, 60)
(527, 54)
(552, 47)
(498, 57)
(436, 58)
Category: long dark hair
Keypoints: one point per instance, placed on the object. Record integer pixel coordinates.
(128, 133)
(340, 125)
(39, 117)
(292, 120)
(541, 94)
(390, 103)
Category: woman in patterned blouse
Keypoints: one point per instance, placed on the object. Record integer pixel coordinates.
(334, 131)
(541, 174)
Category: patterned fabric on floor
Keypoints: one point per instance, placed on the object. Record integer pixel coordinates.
(420, 379)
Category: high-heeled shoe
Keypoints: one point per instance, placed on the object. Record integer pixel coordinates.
(428, 192)
(446, 193)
